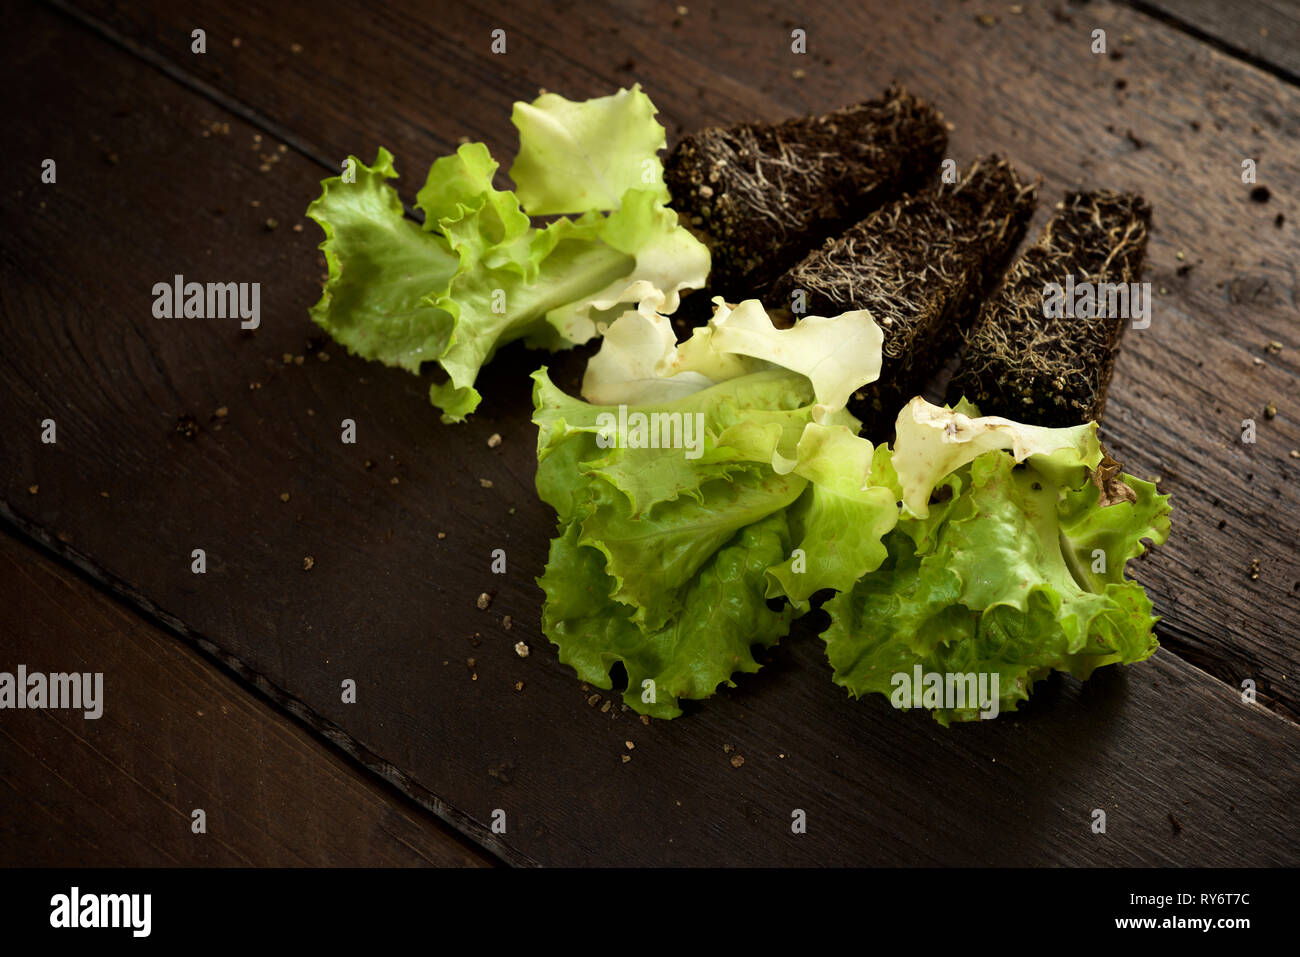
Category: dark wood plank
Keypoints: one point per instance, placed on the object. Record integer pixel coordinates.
(175, 734)
(1264, 32)
(391, 605)
(1027, 85)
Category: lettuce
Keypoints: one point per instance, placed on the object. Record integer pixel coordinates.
(478, 274)
(668, 552)
(1005, 562)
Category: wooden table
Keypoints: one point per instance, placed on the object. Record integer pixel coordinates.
(223, 689)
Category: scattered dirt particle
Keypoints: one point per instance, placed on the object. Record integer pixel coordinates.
(297, 360)
(284, 496)
(1132, 138)
(1273, 346)
(1270, 411)
(627, 758)
(308, 563)
(1254, 569)
(235, 42)
(1295, 454)
(187, 426)
(1279, 220)
(441, 536)
(519, 686)
(798, 74)
(645, 719)
(394, 481)
(485, 483)
(368, 464)
(469, 662)
(33, 489)
(728, 748)
(986, 20)
(1174, 821)
(604, 708)
(1260, 194)
(295, 47)
(323, 356)
(593, 701)
(521, 649)
(737, 760)
(484, 599)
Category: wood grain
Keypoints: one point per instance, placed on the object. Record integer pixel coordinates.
(1264, 32)
(1027, 86)
(143, 194)
(175, 735)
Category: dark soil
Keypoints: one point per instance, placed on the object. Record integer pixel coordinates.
(921, 266)
(762, 195)
(1052, 371)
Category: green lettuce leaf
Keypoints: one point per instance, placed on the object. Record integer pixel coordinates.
(479, 274)
(667, 553)
(722, 617)
(565, 164)
(1014, 571)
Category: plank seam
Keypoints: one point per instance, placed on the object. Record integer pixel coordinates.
(1223, 46)
(321, 728)
(205, 90)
